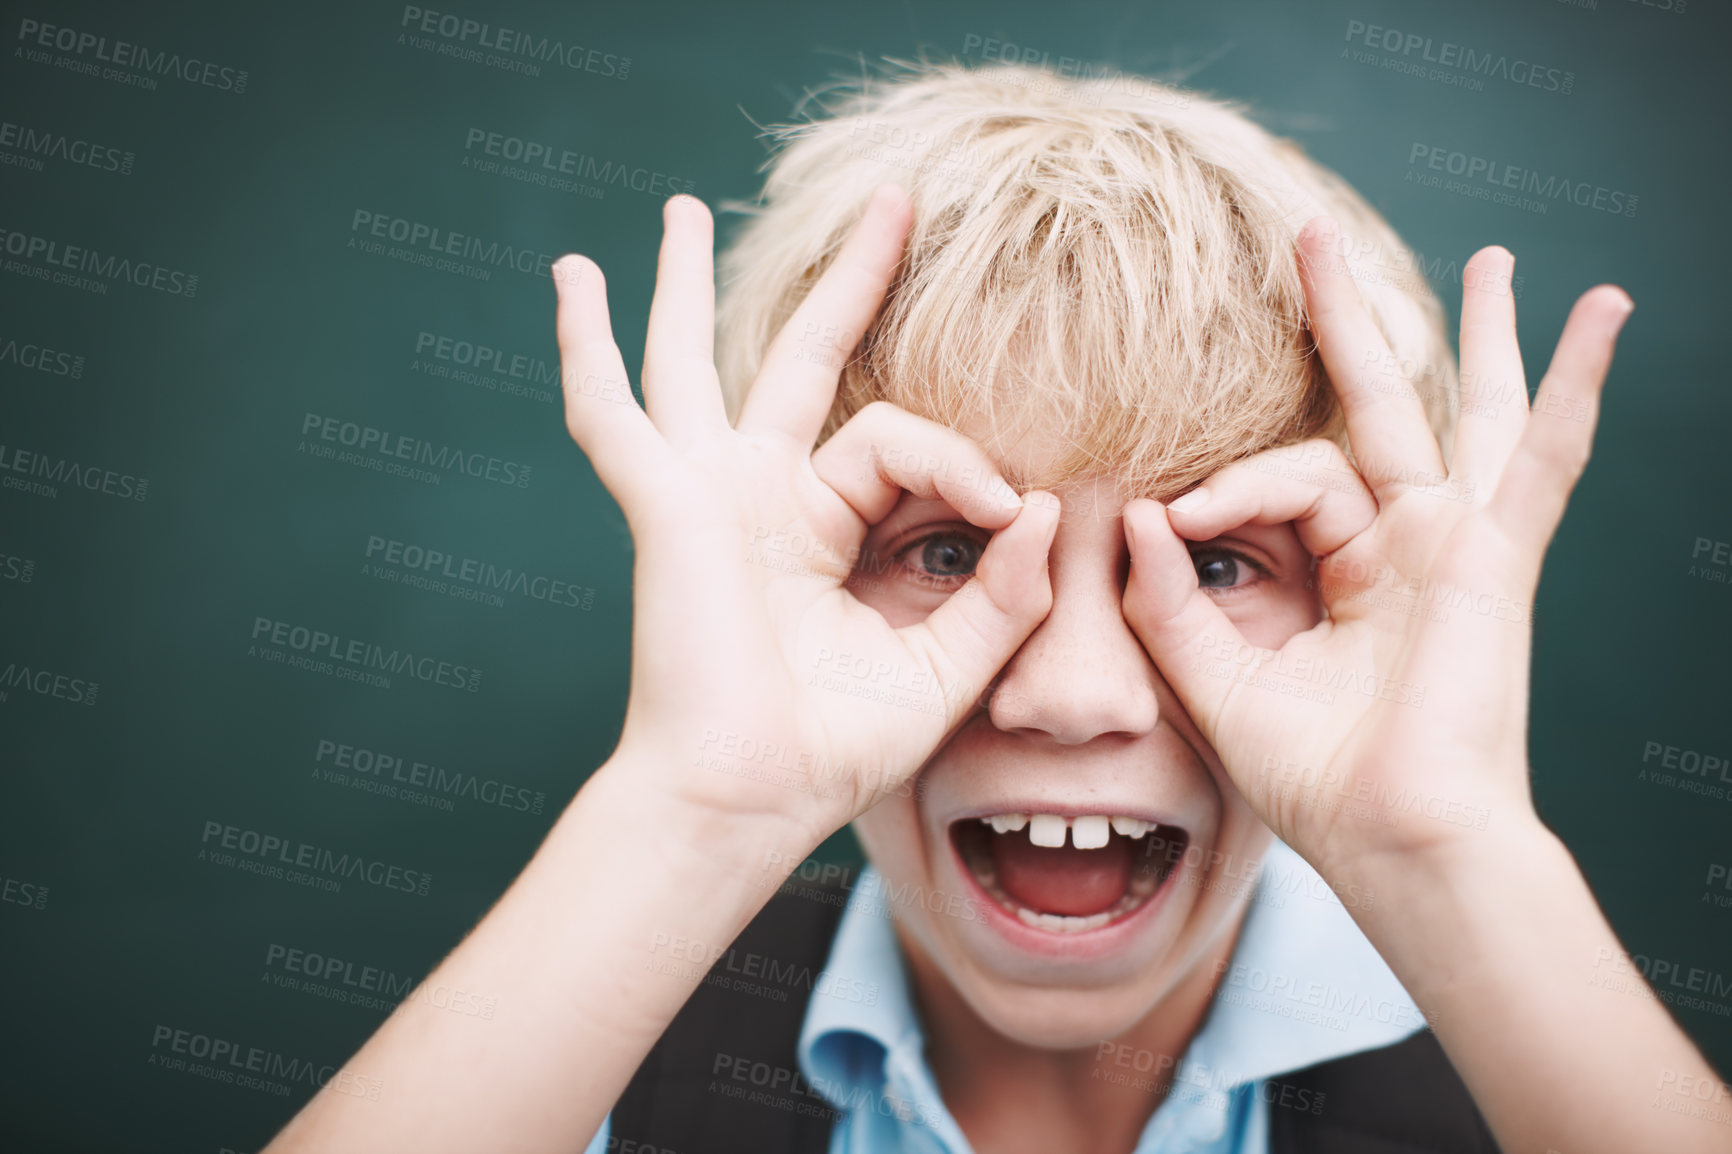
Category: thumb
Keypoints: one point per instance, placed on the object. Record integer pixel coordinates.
(968, 639)
(1177, 623)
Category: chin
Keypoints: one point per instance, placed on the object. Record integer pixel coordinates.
(1056, 1017)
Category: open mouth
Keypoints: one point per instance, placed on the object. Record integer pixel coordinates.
(1068, 875)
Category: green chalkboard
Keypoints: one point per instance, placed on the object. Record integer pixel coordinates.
(278, 387)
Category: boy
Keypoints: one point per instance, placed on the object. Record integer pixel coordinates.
(1076, 729)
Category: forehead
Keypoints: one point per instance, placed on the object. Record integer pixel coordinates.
(1029, 451)
(1030, 455)
(1038, 453)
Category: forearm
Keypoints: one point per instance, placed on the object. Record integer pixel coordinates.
(580, 955)
(1562, 1045)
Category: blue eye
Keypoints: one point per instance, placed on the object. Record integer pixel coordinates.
(1218, 569)
(944, 557)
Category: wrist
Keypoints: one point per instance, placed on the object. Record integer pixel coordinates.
(1420, 838)
(1458, 909)
(638, 894)
(1459, 860)
(758, 848)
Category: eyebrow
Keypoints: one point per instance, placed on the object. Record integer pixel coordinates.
(1016, 478)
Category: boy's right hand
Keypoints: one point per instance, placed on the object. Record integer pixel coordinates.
(760, 687)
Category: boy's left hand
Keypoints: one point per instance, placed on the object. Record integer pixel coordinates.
(1398, 725)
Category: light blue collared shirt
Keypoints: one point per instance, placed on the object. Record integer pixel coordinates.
(1303, 986)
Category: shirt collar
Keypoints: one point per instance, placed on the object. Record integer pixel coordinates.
(1303, 986)
(848, 1041)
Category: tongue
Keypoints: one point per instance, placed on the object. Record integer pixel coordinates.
(1062, 879)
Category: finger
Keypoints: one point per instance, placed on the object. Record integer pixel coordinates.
(1386, 423)
(885, 450)
(600, 412)
(681, 392)
(1494, 392)
(1554, 447)
(797, 383)
(968, 638)
(1178, 624)
(1311, 484)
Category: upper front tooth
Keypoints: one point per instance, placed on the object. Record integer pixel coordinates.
(1003, 822)
(1089, 832)
(1046, 829)
(1131, 826)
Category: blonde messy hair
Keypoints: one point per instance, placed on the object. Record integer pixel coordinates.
(1108, 257)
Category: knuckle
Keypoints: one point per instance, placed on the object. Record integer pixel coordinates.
(1565, 457)
(1327, 448)
(879, 410)
(1572, 459)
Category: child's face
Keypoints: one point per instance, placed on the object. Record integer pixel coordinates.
(1081, 724)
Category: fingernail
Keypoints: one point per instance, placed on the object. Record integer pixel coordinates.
(885, 194)
(1190, 502)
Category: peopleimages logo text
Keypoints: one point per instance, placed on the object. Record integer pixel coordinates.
(47, 683)
(1492, 65)
(125, 54)
(223, 1060)
(354, 651)
(304, 855)
(41, 358)
(367, 438)
(143, 273)
(66, 471)
(419, 235)
(1582, 193)
(582, 165)
(514, 42)
(481, 573)
(58, 146)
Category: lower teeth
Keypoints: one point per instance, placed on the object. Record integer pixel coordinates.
(1062, 925)
(1139, 891)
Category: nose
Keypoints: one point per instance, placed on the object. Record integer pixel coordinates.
(1082, 673)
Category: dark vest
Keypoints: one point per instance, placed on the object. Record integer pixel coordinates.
(724, 1078)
